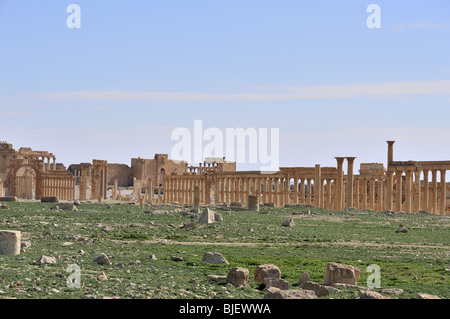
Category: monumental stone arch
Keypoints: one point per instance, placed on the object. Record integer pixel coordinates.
(25, 182)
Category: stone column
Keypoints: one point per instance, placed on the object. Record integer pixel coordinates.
(426, 188)
(84, 181)
(399, 190)
(196, 197)
(309, 196)
(434, 186)
(390, 153)
(318, 188)
(114, 190)
(302, 190)
(349, 191)
(364, 194)
(379, 206)
(54, 162)
(417, 192)
(372, 194)
(356, 197)
(408, 192)
(338, 198)
(287, 189)
(389, 189)
(443, 208)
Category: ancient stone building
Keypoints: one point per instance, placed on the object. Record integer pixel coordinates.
(409, 186)
(32, 174)
(403, 186)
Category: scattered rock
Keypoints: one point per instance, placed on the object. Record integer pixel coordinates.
(238, 277)
(275, 282)
(102, 260)
(339, 273)
(152, 257)
(391, 291)
(267, 271)
(402, 229)
(49, 199)
(102, 277)
(176, 258)
(65, 206)
(216, 278)
(304, 277)
(46, 260)
(319, 290)
(207, 216)
(214, 258)
(275, 293)
(25, 244)
(190, 225)
(288, 223)
(370, 294)
(218, 217)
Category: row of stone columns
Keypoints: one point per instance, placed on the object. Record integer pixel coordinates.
(413, 195)
(398, 189)
(61, 187)
(180, 189)
(47, 166)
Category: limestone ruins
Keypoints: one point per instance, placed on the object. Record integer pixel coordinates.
(408, 186)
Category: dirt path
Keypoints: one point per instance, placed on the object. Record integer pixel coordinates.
(340, 243)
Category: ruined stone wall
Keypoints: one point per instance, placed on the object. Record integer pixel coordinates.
(122, 172)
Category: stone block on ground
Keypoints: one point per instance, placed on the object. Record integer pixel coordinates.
(266, 271)
(10, 242)
(238, 277)
(343, 274)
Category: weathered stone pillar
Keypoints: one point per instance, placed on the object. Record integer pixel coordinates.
(302, 190)
(408, 192)
(390, 153)
(379, 206)
(309, 196)
(389, 189)
(372, 194)
(253, 203)
(434, 187)
(356, 194)
(365, 194)
(417, 192)
(426, 189)
(338, 197)
(318, 187)
(443, 208)
(114, 190)
(350, 180)
(196, 197)
(84, 181)
(399, 190)
(10, 242)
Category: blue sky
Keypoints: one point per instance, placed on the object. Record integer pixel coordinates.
(117, 87)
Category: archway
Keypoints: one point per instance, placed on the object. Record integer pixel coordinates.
(25, 182)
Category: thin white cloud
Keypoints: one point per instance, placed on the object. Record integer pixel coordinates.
(12, 113)
(423, 25)
(388, 89)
